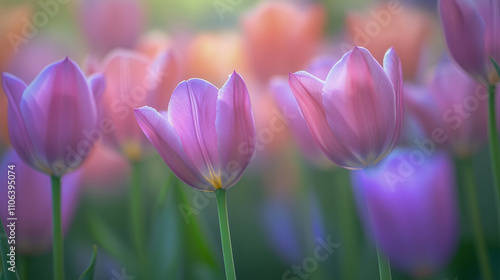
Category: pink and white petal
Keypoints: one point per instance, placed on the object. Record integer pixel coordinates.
(235, 129)
(361, 104)
(307, 89)
(464, 31)
(192, 111)
(394, 69)
(167, 142)
(19, 136)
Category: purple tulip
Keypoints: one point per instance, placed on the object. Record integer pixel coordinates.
(33, 204)
(472, 34)
(50, 119)
(409, 208)
(355, 115)
(207, 136)
(288, 106)
(452, 110)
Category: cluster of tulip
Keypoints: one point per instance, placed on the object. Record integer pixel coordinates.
(367, 112)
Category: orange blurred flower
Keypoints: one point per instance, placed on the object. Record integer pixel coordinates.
(282, 37)
(213, 56)
(392, 25)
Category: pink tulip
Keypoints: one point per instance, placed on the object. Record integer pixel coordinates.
(207, 136)
(288, 106)
(34, 204)
(49, 119)
(355, 115)
(472, 33)
(134, 80)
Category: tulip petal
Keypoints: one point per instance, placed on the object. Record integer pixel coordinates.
(126, 89)
(464, 31)
(288, 106)
(57, 108)
(168, 144)
(235, 129)
(394, 69)
(192, 111)
(98, 85)
(490, 13)
(165, 75)
(361, 105)
(308, 92)
(18, 133)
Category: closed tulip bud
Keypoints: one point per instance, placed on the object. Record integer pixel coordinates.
(207, 135)
(471, 31)
(355, 115)
(50, 118)
(410, 209)
(33, 204)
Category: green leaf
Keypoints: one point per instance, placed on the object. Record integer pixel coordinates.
(495, 64)
(89, 273)
(108, 240)
(4, 250)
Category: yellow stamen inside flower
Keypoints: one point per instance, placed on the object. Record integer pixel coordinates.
(214, 179)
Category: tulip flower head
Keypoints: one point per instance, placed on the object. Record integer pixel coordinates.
(472, 33)
(207, 135)
(135, 80)
(455, 104)
(410, 209)
(356, 114)
(49, 118)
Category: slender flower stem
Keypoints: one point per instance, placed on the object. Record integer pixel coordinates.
(384, 267)
(494, 144)
(225, 236)
(136, 214)
(466, 169)
(57, 243)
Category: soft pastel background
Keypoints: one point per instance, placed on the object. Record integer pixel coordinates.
(286, 198)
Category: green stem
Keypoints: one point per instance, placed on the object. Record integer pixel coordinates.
(494, 147)
(225, 235)
(57, 243)
(384, 267)
(466, 169)
(136, 214)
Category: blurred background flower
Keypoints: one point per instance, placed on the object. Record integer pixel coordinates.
(412, 215)
(33, 204)
(291, 193)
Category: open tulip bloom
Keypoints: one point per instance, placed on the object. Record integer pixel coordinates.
(47, 124)
(356, 114)
(207, 138)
